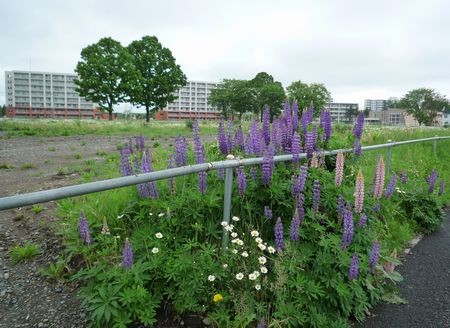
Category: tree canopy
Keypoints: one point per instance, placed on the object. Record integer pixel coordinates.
(104, 70)
(268, 92)
(157, 75)
(307, 94)
(423, 104)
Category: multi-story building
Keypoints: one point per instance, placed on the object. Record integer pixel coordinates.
(375, 104)
(339, 111)
(191, 103)
(446, 117)
(43, 94)
(392, 116)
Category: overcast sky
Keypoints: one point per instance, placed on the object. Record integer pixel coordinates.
(358, 49)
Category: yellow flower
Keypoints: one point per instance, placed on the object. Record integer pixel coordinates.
(217, 298)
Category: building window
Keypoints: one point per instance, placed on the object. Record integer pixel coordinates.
(394, 118)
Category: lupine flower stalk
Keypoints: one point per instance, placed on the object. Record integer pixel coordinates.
(279, 239)
(362, 220)
(295, 225)
(354, 267)
(403, 177)
(277, 136)
(348, 229)
(241, 180)
(181, 147)
(390, 186)
(296, 147)
(222, 139)
(379, 179)
(239, 138)
(340, 207)
(301, 180)
(316, 195)
(300, 208)
(147, 189)
(359, 125)
(325, 124)
(309, 144)
(374, 255)
(127, 254)
(83, 226)
(294, 114)
(140, 143)
(268, 212)
(125, 166)
(229, 136)
(339, 169)
(431, 179)
(357, 148)
(359, 192)
(441, 187)
(199, 156)
(267, 166)
(266, 125)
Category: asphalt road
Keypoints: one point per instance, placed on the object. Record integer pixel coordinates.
(426, 286)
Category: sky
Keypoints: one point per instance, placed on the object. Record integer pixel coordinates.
(357, 49)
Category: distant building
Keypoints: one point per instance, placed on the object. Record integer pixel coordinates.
(393, 116)
(192, 103)
(44, 94)
(339, 111)
(375, 104)
(446, 117)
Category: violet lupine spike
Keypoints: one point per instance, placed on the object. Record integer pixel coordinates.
(309, 144)
(146, 167)
(239, 138)
(296, 147)
(229, 136)
(325, 124)
(359, 125)
(339, 168)
(300, 207)
(362, 221)
(301, 180)
(199, 156)
(279, 239)
(294, 114)
(374, 255)
(83, 227)
(266, 125)
(441, 187)
(295, 225)
(340, 206)
(431, 180)
(390, 186)
(354, 267)
(130, 145)
(379, 179)
(268, 212)
(288, 144)
(241, 180)
(181, 148)
(277, 137)
(403, 177)
(125, 165)
(357, 148)
(347, 237)
(304, 121)
(316, 195)
(253, 173)
(222, 139)
(359, 192)
(267, 166)
(254, 145)
(127, 255)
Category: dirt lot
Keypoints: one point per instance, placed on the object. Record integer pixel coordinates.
(27, 299)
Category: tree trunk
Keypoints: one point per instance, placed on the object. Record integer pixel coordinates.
(147, 114)
(110, 116)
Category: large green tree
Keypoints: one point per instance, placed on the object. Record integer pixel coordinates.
(424, 104)
(103, 72)
(268, 92)
(305, 94)
(157, 75)
(2, 110)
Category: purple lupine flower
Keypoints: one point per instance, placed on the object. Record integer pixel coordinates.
(295, 225)
(300, 208)
(357, 148)
(125, 165)
(431, 179)
(181, 148)
(140, 143)
(279, 240)
(241, 180)
(359, 192)
(239, 138)
(325, 124)
(171, 165)
(199, 156)
(267, 166)
(309, 144)
(268, 212)
(146, 167)
(130, 145)
(316, 195)
(253, 173)
(359, 125)
(362, 220)
(403, 177)
(390, 186)
(301, 180)
(261, 323)
(83, 226)
(379, 179)
(277, 137)
(254, 144)
(347, 237)
(354, 267)
(374, 254)
(221, 174)
(294, 114)
(222, 139)
(339, 169)
(288, 141)
(441, 187)
(340, 206)
(266, 125)
(230, 134)
(127, 254)
(296, 147)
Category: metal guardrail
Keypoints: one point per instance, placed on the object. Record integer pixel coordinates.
(231, 162)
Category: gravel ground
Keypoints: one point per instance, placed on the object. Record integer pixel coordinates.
(426, 286)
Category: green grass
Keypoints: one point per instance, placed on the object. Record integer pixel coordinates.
(27, 166)
(23, 253)
(6, 166)
(38, 208)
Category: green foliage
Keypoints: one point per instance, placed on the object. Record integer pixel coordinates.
(424, 104)
(6, 166)
(307, 94)
(57, 271)
(38, 208)
(26, 252)
(27, 166)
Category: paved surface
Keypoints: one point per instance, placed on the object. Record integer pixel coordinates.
(426, 286)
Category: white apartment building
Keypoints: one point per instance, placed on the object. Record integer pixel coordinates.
(338, 110)
(375, 104)
(192, 102)
(45, 94)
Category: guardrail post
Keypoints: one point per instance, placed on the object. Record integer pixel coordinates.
(388, 157)
(227, 201)
(435, 146)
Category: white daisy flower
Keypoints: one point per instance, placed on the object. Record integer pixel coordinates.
(158, 235)
(235, 218)
(252, 276)
(271, 249)
(244, 254)
(234, 251)
(262, 260)
(256, 273)
(225, 266)
(263, 269)
(211, 277)
(258, 240)
(229, 228)
(262, 246)
(234, 234)
(240, 242)
(257, 286)
(155, 250)
(254, 233)
(223, 224)
(160, 214)
(239, 276)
